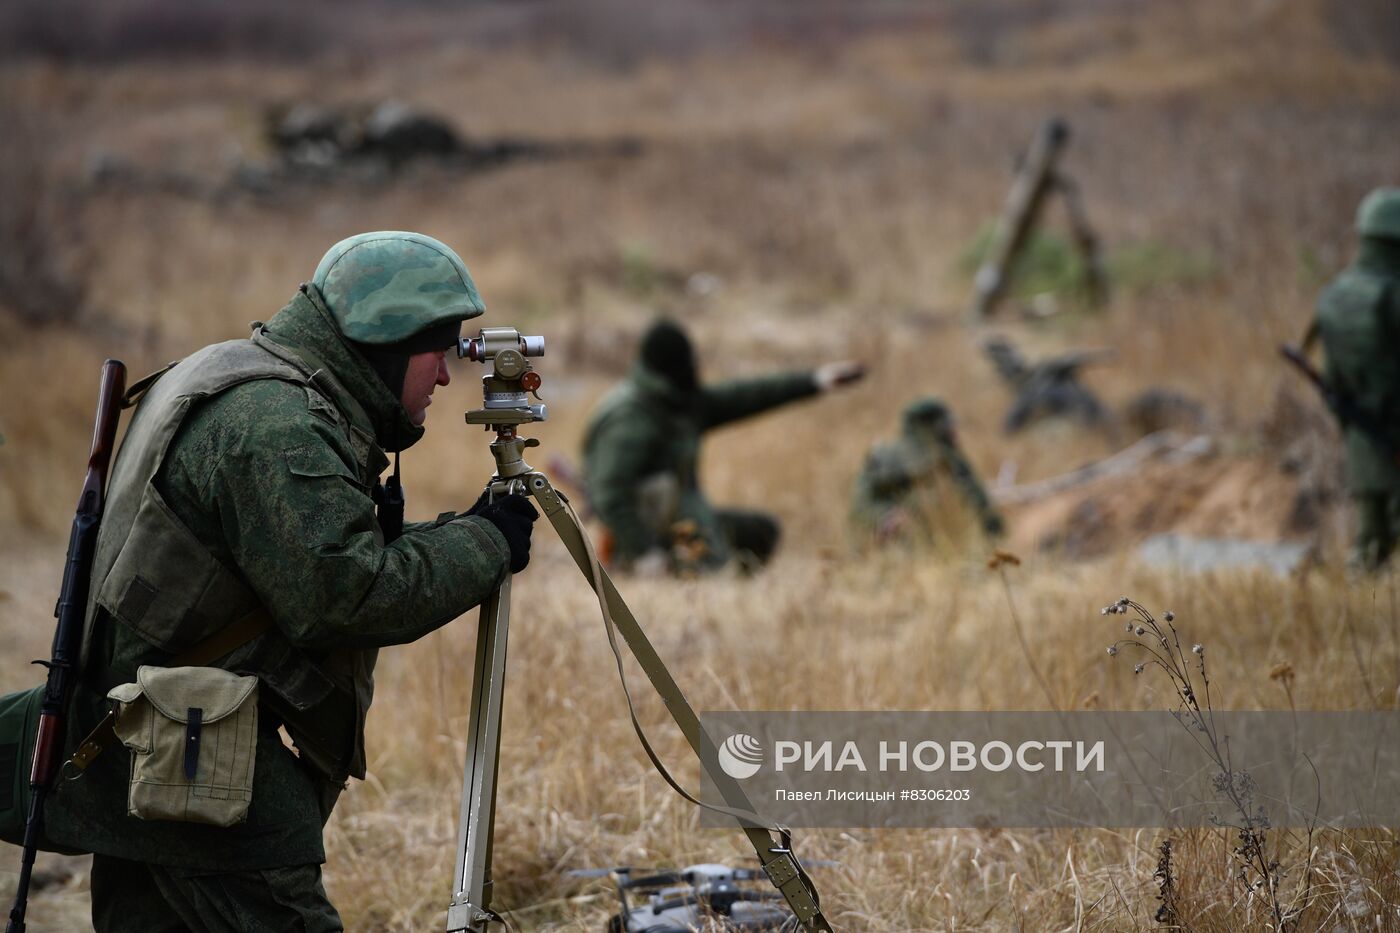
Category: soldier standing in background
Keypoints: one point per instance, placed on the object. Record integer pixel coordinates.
(241, 514)
(641, 454)
(894, 490)
(1358, 320)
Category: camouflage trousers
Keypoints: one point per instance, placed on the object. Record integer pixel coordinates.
(747, 536)
(134, 897)
(1377, 527)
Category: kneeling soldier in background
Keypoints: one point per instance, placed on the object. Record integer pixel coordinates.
(898, 486)
(641, 454)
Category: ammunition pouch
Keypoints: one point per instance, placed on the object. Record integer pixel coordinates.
(193, 737)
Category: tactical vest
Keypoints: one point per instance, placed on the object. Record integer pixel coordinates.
(1356, 319)
(152, 574)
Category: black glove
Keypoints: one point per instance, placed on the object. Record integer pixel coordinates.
(514, 517)
(481, 500)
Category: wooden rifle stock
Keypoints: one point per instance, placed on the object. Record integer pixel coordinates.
(72, 599)
(68, 633)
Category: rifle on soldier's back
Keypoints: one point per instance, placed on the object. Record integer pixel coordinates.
(68, 633)
(1346, 411)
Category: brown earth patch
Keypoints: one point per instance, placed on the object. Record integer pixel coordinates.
(1219, 497)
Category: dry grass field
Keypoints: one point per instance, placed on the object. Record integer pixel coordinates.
(827, 166)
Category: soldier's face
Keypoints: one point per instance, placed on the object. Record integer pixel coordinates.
(426, 371)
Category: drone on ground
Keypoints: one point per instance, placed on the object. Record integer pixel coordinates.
(702, 897)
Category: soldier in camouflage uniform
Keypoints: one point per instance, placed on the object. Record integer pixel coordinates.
(1358, 319)
(892, 491)
(641, 454)
(243, 486)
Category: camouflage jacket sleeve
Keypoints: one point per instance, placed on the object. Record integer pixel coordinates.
(740, 398)
(274, 490)
(971, 487)
(624, 449)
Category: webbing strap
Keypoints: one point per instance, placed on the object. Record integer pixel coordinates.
(140, 386)
(777, 858)
(234, 635)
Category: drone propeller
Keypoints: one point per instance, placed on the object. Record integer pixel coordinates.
(657, 879)
(595, 872)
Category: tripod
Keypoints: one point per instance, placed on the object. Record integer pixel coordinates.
(506, 408)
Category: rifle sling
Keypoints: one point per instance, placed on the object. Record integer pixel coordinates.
(234, 635)
(140, 386)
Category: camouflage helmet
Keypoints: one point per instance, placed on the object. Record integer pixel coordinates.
(929, 413)
(387, 286)
(1379, 214)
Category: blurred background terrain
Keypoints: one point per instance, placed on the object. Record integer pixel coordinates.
(797, 182)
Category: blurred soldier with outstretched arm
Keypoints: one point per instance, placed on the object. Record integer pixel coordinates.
(641, 455)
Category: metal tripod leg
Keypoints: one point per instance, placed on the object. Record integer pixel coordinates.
(470, 909)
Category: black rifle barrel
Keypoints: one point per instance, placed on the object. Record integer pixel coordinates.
(1298, 358)
(68, 633)
(1347, 412)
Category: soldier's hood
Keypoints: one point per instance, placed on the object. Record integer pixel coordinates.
(306, 327)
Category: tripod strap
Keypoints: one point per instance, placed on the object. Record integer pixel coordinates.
(778, 860)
